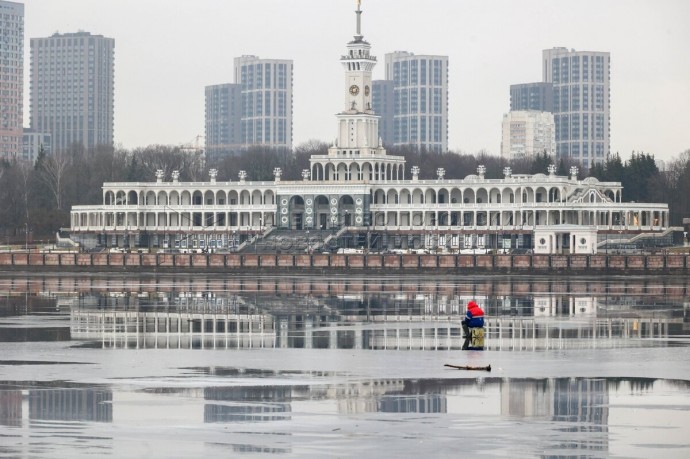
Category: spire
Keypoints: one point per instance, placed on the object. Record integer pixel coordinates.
(359, 36)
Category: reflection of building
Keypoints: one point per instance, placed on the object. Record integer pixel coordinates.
(173, 329)
(358, 185)
(247, 404)
(553, 306)
(11, 407)
(182, 328)
(88, 404)
(582, 403)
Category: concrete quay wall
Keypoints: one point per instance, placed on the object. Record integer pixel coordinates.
(667, 263)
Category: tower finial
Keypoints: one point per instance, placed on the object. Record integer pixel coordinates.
(359, 18)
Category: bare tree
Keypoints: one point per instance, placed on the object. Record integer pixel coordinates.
(51, 171)
(24, 171)
(168, 158)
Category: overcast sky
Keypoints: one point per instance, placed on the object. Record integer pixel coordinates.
(166, 51)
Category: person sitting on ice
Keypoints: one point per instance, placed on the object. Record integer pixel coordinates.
(473, 327)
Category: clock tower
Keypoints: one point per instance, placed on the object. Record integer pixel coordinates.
(357, 154)
(357, 123)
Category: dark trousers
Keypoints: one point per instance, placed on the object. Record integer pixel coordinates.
(466, 334)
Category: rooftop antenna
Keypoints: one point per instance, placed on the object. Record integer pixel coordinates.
(359, 19)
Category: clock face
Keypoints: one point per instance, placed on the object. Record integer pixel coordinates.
(354, 89)
(366, 90)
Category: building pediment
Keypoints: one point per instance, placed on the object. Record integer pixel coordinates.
(591, 195)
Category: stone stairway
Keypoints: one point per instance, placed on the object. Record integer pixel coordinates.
(288, 241)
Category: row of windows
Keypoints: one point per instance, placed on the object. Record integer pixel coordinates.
(576, 98)
(259, 104)
(576, 127)
(419, 72)
(418, 129)
(54, 42)
(259, 76)
(411, 101)
(582, 149)
(568, 69)
(264, 131)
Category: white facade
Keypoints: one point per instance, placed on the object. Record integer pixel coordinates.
(527, 133)
(357, 185)
(11, 79)
(551, 239)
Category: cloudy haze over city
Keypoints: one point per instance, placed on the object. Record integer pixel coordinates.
(167, 51)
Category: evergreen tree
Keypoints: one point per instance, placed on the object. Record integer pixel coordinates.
(541, 163)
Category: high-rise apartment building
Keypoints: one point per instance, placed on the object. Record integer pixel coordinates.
(72, 89)
(531, 96)
(383, 104)
(527, 133)
(11, 78)
(223, 120)
(581, 104)
(266, 101)
(33, 143)
(420, 98)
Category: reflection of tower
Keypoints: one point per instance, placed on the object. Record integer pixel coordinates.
(582, 402)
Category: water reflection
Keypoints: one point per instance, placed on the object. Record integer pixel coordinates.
(585, 406)
(92, 404)
(261, 406)
(338, 313)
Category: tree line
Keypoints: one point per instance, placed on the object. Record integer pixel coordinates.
(36, 199)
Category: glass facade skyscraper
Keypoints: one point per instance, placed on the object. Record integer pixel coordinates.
(11, 79)
(531, 96)
(222, 119)
(383, 104)
(72, 89)
(420, 100)
(581, 103)
(266, 101)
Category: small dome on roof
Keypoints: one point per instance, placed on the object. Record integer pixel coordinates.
(471, 177)
(591, 180)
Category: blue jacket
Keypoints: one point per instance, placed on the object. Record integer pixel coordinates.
(473, 322)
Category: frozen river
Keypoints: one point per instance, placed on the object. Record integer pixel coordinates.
(342, 366)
